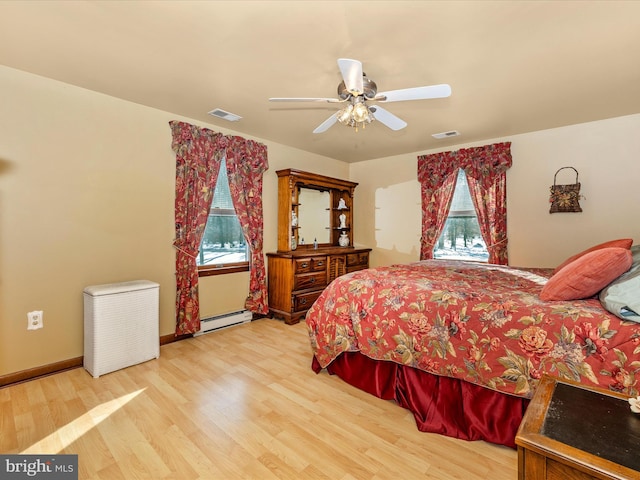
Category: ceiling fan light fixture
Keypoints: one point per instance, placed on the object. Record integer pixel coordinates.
(344, 115)
(355, 115)
(360, 113)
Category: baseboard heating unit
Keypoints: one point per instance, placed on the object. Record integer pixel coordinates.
(121, 324)
(222, 321)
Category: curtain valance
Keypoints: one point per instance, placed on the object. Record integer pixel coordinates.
(195, 146)
(482, 163)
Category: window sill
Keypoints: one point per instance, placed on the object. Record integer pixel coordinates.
(475, 260)
(209, 271)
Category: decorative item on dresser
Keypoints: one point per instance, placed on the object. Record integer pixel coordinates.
(323, 209)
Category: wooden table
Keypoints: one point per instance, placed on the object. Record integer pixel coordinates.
(570, 432)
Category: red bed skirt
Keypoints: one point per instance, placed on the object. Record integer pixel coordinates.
(443, 405)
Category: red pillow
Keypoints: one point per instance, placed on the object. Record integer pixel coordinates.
(620, 243)
(587, 275)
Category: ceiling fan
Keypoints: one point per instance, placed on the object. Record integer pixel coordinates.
(356, 90)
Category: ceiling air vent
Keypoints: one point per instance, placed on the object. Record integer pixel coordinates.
(232, 117)
(451, 133)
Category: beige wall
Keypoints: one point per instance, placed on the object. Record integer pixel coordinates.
(387, 205)
(86, 198)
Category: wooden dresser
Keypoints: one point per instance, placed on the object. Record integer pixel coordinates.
(570, 432)
(298, 277)
(320, 209)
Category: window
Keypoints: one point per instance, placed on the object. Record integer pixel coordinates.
(461, 238)
(223, 248)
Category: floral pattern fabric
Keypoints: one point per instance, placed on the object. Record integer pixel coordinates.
(436, 202)
(199, 153)
(482, 323)
(485, 168)
(246, 163)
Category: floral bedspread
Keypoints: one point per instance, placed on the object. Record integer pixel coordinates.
(477, 322)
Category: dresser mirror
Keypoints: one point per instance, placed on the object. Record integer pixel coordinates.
(313, 216)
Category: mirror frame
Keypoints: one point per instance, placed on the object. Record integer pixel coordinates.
(289, 183)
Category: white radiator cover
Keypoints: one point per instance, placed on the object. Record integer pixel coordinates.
(221, 321)
(121, 325)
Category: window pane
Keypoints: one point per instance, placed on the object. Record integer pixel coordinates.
(461, 238)
(223, 242)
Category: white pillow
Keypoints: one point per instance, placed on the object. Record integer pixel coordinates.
(622, 296)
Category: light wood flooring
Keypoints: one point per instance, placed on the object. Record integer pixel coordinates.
(239, 403)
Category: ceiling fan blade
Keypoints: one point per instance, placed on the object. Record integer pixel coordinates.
(418, 93)
(352, 75)
(328, 123)
(387, 118)
(320, 100)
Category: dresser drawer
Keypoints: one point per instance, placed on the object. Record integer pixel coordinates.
(312, 264)
(310, 280)
(304, 301)
(358, 259)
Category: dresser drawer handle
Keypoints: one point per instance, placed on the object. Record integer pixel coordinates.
(320, 264)
(312, 280)
(303, 301)
(305, 265)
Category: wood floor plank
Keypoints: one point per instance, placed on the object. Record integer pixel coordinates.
(238, 403)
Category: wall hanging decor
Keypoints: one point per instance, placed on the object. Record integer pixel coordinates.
(565, 198)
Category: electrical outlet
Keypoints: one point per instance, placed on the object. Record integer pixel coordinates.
(34, 320)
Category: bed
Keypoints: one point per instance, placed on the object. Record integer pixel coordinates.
(462, 345)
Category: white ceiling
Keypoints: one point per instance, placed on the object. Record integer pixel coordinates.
(513, 66)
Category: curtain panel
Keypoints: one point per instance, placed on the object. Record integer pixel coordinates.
(246, 164)
(436, 202)
(485, 168)
(199, 153)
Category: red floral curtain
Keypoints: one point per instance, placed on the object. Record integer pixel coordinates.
(437, 174)
(436, 202)
(199, 152)
(485, 168)
(487, 178)
(246, 163)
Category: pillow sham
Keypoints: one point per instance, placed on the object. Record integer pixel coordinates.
(621, 242)
(622, 296)
(587, 275)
